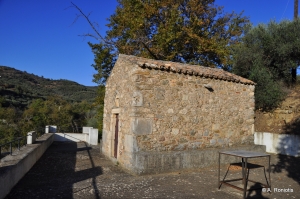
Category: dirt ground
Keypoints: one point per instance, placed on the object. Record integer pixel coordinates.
(283, 120)
(75, 170)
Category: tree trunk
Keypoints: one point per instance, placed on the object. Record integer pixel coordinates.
(294, 75)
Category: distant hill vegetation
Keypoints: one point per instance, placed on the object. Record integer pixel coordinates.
(19, 88)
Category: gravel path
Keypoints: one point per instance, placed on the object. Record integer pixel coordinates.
(75, 170)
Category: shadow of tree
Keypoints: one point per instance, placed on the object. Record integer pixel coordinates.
(289, 151)
(257, 188)
(57, 171)
(292, 127)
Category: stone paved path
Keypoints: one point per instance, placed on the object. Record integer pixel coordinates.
(75, 170)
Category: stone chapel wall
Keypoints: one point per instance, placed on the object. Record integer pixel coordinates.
(173, 120)
(184, 115)
(118, 100)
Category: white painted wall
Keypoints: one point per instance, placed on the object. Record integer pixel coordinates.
(73, 137)
(91, 138)
(279, 143)
(31, 137)
(89, 135)
(86, 129)
(50, 129)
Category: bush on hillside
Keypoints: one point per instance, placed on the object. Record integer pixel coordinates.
(268, 92)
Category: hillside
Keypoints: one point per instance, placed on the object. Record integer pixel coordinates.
(19, 88)
(284, 119)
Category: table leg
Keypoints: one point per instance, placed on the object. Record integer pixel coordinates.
(243, 172)
(269, 171)
(219, 173)
(244, 178)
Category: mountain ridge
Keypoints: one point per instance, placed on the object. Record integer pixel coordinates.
(19, 88)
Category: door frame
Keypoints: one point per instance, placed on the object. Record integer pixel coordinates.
(114, 114)
(116, 135)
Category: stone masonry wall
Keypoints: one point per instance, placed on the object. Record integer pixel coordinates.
(184, 115)
(118, 96)
(166, 118)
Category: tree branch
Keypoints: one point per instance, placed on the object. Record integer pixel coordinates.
(99, 36)
(151, 53)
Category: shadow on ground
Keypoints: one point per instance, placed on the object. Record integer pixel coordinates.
(257, 190)
(55, 174)
(290, 164)
(74, 170)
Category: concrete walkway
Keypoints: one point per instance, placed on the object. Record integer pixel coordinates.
(75, 170)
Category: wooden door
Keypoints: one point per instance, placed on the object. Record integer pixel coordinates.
(116, 136)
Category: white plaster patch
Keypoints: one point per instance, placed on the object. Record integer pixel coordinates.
(130, 143)
(141, 126)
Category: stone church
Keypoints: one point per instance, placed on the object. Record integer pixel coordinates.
(161, 116)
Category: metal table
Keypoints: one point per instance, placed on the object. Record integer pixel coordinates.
(245, 165)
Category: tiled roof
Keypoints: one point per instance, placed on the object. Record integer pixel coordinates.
(196, 70)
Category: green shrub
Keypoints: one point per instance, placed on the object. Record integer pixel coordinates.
(268, 92)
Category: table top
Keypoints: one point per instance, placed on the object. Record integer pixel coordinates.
(244, 154)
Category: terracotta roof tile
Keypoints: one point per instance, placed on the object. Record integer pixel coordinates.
(195, 70)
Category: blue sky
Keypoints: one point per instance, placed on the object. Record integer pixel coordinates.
(38, 36)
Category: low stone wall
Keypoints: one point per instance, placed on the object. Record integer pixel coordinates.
(171, 161)
(14, 167)
(279, 143)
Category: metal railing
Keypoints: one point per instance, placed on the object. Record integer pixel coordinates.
(39, 132)
(16, 143)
